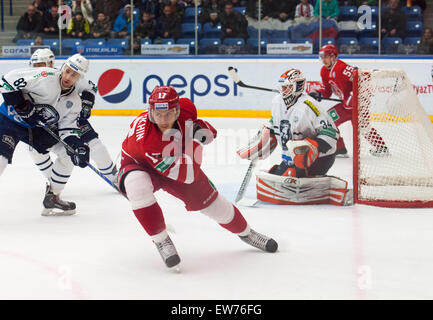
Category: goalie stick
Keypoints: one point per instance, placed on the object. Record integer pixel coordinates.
(240, 200)
(238, 81)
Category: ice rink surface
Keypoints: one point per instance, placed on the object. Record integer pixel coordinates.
(325, 252)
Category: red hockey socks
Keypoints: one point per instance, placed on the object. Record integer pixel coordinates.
(151, 218)
(238, 223)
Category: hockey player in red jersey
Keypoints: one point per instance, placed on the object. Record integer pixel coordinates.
(337, 78)
(163, 151)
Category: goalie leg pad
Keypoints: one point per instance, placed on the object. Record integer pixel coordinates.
(297, 191)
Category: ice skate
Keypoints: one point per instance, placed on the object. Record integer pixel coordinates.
(168, 252)
(260, 241)
(381, 151)
(54, 206)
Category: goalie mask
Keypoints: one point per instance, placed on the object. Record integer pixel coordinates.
(291, 85)
(45, 56)
(163, 98)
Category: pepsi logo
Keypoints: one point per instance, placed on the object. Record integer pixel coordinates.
(114, 86)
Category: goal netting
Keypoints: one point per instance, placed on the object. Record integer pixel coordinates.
(393, 142)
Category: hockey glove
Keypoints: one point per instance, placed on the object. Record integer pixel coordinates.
(203, 132)
(87, 102)
(30, 115)
(81, 155)
(306, 152)
(316, 95)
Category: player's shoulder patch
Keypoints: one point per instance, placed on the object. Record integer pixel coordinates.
(312, 107)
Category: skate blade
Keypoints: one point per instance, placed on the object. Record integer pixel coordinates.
(175, 269)
(58, 213)
(247, 202)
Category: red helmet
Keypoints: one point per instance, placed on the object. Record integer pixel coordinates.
(328, 50)
(163, 98)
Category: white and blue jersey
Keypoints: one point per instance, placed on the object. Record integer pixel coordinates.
(303, 119)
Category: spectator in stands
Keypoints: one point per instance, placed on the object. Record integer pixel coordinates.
(287, 10)
(78, 26)
(101, 27)
(146, 29)
(110, 8)
(177, 8)
(37, 5)
(274, 14)
(426, 44)
(274, 9)
(44, 6)
(85, 7)
(151, 6)
(50, 27)
(38, 41)
(330, 9)
(29, 24)
(304, 9)
(136, 45)
(393, 21)
(168, 25)
(304, 12)
(211, 6)
(122, 25)
(252, 9)
(233, 23)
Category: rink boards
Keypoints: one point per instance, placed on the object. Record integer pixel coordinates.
(124, 85)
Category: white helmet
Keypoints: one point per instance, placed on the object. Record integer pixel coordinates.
(42, 56)
(291, 85)
(77, 63)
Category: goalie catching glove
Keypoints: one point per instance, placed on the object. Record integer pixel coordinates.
(81, 155)
(306, 152)
(260, 146)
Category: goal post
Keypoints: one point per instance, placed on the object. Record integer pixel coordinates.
(388, 113)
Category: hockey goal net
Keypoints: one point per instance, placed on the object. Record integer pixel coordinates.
(392, 142)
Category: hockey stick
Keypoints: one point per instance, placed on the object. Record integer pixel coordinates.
(240, 200)
(238, 81)
(235, 77)
(71, 150)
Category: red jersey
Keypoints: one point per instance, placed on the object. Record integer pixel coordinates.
(173, 154)
(338, 80)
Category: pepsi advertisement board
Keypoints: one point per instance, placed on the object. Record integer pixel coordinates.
(125, 84)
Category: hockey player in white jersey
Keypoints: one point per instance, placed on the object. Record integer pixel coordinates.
(308, 137)
(98, 151)
(44, 96)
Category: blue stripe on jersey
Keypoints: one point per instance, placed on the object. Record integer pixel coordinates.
(11, 114)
